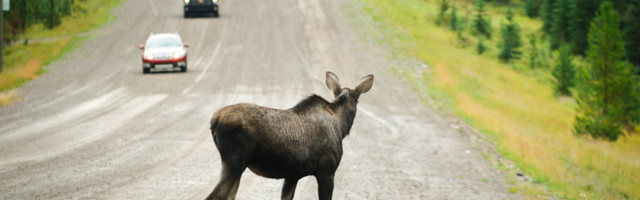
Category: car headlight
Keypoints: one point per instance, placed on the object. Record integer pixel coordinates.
(179, 54)
(215, 1)
(186, 1)
(148, 56)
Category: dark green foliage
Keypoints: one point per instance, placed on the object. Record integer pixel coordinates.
(444, 6)
(532, 7)
(632, 36)
(53, 17)
(533, 52)
(481, 25)
(560, 23)
(461, 26)
(502, 2)
(564, 71)
(546, 13)
(480, 48)
(581, 14)
(24, 13)
(535, 57)
(510, 39)
(453, 20)
(607, 96)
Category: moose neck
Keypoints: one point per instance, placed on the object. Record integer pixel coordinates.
(346, 112)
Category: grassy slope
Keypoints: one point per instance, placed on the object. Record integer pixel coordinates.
(24, 62)
(516, 108)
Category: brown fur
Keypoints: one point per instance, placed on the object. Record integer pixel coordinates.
(291, 144)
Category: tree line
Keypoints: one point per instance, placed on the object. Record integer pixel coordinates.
(605, 32)
(25, 13)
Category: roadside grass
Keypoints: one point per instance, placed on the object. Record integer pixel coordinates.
(23, 62)
(513, 105)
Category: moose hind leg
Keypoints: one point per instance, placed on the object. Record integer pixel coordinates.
(227, 187)
(289, 188)
(325, 186)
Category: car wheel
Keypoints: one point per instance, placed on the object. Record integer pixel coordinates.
(186, 14)
(215, 14)
(183, 69)
(146, 70)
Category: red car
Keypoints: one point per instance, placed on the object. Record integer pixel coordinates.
(164, 51)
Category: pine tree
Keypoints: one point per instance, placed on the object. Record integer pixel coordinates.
(481, 25)
(564, 71)
(444, 6)
(608, 90)
(461, 27)
(546, 12)
(582, 12)
(559, 23)
(453, 23)
(510, 39)
(502, 2)
(632, 37)
(480, 48)
(532, 8)
(535, 57)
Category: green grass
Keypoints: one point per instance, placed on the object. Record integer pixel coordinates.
(22, 63)
(513, 105)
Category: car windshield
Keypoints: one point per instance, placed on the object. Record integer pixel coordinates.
(164, 42)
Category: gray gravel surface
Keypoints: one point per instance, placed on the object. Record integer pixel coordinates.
(95, 127)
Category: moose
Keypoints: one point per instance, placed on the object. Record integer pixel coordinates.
(286, 144)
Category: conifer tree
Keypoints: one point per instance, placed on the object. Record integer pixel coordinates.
(546, 12)
(632, 37)
(510, 39)
(581, 14)
(480, 48)
(453, 23)
(532, 8)
(444, 6)
(559, 23)
(564, 71)
(481, 25)
(460, 29)
(535, 54)
(607, 94)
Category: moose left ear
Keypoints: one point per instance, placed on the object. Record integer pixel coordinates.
(333, 83)
(364, 85)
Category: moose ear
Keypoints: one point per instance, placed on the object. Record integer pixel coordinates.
(333, 83)
(364, 85)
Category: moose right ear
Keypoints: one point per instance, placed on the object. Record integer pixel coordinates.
(333, 83)
(364, 85)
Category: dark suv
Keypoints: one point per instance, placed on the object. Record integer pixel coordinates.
(200, 6)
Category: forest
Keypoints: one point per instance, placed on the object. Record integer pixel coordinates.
(24, 13)
(605, 33)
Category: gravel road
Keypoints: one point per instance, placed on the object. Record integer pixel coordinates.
(95, 127)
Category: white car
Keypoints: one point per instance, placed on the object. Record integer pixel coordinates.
(162, 51)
